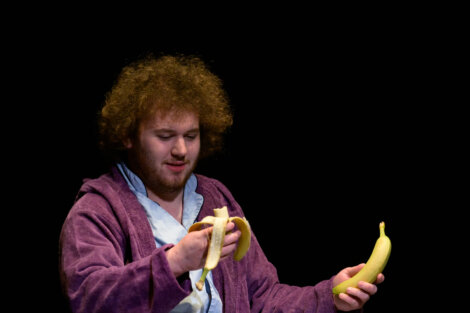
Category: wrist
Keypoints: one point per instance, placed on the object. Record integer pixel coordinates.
(173, 261)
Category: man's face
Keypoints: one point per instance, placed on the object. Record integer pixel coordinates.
(165, 151)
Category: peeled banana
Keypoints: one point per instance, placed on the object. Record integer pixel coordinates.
(375, 265)
(219, 222)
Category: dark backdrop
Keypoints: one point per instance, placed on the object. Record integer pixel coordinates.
(332, 135)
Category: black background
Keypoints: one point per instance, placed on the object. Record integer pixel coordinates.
(338, 126)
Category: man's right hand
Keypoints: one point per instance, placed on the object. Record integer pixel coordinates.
(190, 253)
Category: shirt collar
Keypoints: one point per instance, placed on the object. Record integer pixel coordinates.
(192, 201)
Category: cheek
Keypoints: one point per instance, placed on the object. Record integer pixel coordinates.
(196, 147)
(152, 150)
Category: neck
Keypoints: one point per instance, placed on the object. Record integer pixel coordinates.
(170, 202)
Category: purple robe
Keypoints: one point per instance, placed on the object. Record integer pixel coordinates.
(109, 261)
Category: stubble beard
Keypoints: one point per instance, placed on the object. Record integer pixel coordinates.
(176, 182)
(173, 183)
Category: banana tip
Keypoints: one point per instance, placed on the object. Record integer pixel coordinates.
(382, 228)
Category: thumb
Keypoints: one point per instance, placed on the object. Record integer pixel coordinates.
(355, 269)
(207, 231)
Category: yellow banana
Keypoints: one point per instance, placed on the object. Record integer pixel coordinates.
(219, 222)
(375, 265)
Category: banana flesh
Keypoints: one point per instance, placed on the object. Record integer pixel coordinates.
(219, 222)
(375, 265)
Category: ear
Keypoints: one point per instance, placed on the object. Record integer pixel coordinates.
(127, 142)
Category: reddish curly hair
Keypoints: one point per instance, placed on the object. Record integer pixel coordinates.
(168, 83)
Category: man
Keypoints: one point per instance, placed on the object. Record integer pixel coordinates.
(125, 245)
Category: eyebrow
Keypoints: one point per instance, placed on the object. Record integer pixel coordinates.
(171, 130)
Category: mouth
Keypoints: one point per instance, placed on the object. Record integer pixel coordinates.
(176, 166)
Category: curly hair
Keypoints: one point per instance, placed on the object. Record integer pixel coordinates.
(169, 83)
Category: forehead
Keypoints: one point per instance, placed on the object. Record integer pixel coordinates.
(172, 120)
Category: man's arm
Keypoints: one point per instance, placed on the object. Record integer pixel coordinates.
(96, 277)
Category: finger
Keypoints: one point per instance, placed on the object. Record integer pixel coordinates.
(349, 300)
(359, 294)
(371, 289)
(228, 250)
(230, 226)
(230, 244)
(205, 236)
(206, 231)
(380, 279)
(357, 268)
(232, 238)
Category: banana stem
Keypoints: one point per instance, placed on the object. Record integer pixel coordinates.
(382, 228)
(200, 283)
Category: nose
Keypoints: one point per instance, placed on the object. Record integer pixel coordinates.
(179, 148)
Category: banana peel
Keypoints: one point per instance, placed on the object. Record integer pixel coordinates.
(219, 222)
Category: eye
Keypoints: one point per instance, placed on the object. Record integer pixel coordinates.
(191, 136)
(164, 137)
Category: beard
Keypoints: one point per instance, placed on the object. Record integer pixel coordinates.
(164, 183)
(175, 182)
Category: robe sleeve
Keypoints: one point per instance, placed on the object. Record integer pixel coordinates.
(269, 295)
(98, 275)
(265, 292)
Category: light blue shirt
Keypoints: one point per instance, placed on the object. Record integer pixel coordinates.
(166, 229)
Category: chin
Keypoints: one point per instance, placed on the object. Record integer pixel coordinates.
(179, 181)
